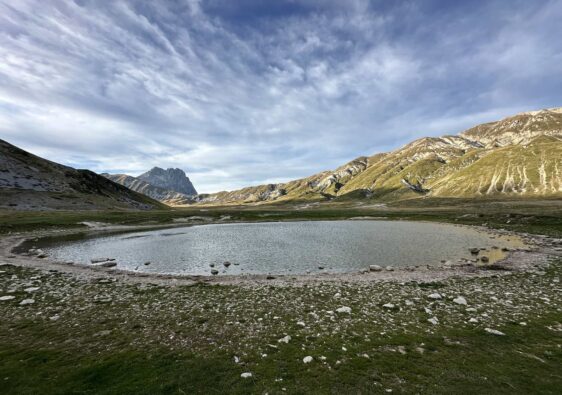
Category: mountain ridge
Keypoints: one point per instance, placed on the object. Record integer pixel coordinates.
(427, 167)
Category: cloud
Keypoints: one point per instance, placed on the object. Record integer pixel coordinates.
(241, 93)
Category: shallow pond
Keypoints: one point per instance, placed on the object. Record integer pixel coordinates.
(283, 247)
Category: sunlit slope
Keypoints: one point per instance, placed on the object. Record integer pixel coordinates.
(531, 170)
(518, 156)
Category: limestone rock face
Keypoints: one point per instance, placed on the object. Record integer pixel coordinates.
(170, 179)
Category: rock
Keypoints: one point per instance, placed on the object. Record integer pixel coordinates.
(307, 359)
(43, 255)
(302, 324)
(98, 260)
(7, 297)
(54, 317)
(214, 272)
(474, 251)
(375, 268)
(473, 320)
(460, 300)
(344, 310)
(26, 302)
(388, 306)
(211, 264)
(108, 264)
(146, 263)
(227, 264)
(321, 267)
(494, 332)
(31, 289)
(246, 375)
(236, 359)
(389, 269)
(435, 296)
(485, 259)
(270, 277)
(433, 320)
(285, 339)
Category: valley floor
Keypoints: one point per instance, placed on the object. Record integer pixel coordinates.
(65, 333)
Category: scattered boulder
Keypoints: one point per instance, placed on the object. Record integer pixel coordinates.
(485, 259)
(214, 272)
(494, 332)
(285, 339)
(388, 306)
(270, 277)
(375, 268)
(146, 263)
(435, 296)
(26, 302)
(460, 300)
(307, 359)
(227, 264)
(31, 289)
(246, 375)
(433, 320)
(389, 269)
(344, 310)
(7, 297)
(321, 267)
(474, 251)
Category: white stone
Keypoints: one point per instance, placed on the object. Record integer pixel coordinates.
(307, 359)
(473, 320)
(344, 310)
(433, 320)
(31, 289)
(236, 359)
(435, 296)
(7, 297)
(388, 306)
(375, 268)
(494, 332)
(246, 375)
(409, 303)
(300, 323)
(285, 339)
(27, 301)
(460, 300)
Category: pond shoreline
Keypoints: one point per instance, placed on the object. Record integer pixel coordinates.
(534, 256)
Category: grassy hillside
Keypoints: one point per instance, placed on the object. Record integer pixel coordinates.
(28, 182)
(519, 156)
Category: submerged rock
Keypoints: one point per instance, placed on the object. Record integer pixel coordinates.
(214, 272)
(226, 264)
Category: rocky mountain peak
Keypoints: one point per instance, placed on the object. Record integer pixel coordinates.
(170, 179)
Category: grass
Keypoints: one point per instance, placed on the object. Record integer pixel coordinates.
(175, 340)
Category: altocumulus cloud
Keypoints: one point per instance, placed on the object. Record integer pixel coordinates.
(247, 92)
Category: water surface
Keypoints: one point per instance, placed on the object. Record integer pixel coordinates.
(282, 247)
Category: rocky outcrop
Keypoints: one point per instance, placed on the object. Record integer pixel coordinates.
(169, 179)
(171, 198)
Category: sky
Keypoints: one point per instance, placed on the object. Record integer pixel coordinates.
(246, 92)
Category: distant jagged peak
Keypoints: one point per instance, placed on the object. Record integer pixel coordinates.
(173, 179)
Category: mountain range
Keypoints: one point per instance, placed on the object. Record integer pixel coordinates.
(519, 156)
(516, 157)
(28, 182)
(170, 186)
